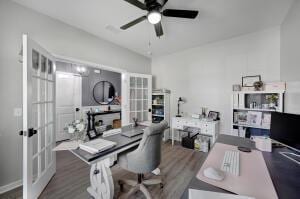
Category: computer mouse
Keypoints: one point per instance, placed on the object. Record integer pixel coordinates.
(214, 174)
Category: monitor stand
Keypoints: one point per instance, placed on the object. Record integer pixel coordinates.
(292, 156)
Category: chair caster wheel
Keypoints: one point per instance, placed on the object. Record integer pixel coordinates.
(161, 185)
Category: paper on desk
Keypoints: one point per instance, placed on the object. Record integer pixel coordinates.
(67, 145)
(199, 194)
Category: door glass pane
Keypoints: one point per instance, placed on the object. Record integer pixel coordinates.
(132, 105)
(43, 89)
(145, 116)
(145, 93)
(50, 112)
(35, 89)
(132, 115)
(43, 160)
(145, 82)
(49, 155)
(42, 115)
(35, 61)
(49, 133)
(139, 105)
(43, 66)
(139, 94)
(140, 116)
(35, 144)
(132, 94)
(42, 138)
(34, 116)
(50, 91)
(34, 168)
(139, 82)
(145, 105)
(132, 82)
(50, 70)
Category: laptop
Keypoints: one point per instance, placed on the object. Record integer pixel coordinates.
(133, 133)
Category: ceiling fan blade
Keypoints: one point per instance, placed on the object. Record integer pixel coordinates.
(134, 22)
(164, 3)
(190, 14)
(137, 3)
(158, 29)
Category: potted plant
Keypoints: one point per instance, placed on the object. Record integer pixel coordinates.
(273, 100)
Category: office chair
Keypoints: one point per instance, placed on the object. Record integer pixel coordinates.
(143, 160)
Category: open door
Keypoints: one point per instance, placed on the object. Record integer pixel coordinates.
(39, 161)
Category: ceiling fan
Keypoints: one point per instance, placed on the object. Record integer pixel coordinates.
(155, 13)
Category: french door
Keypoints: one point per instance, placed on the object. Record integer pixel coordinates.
(39, 161)
(140, 97)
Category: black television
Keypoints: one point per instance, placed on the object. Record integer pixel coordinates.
(285, 129)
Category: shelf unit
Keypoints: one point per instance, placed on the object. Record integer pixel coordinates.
(250, 107)
(161, 110)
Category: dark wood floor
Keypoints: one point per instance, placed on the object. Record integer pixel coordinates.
(178, 167)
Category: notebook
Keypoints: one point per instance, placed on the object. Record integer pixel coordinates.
(97, 145)
(199, 194)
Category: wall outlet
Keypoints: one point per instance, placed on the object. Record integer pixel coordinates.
(17, 112)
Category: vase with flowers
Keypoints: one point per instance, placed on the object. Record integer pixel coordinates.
(77, 130)
(273, 100)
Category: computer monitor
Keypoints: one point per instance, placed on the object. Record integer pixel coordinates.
(285, 129)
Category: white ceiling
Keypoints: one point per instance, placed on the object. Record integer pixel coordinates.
(217, 20)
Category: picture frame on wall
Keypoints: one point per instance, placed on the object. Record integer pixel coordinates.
(248, 81)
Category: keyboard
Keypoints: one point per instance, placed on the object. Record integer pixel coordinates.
(231, 162)
(111, 132)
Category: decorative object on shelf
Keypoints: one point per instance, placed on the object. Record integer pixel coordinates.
(203, 110)
(273, 100)
(77, 130)
(248, 81)
(242, 118)
(213, 115)
(254, 118)
(236, 87)
(180, 101)
(104, 92)
(258, 85)
(196, 115)
(275, 86)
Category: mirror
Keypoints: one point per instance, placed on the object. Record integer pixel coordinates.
(104, 92)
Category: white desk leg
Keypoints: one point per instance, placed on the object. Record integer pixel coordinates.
(102, 186)
(172, 136)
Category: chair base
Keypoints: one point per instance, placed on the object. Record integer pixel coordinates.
(139, 185)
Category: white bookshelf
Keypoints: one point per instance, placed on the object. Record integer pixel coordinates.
(243, 105)
(161, 110)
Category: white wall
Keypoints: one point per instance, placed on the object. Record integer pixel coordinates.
(58, 38)
(205, 75)
(290, 44)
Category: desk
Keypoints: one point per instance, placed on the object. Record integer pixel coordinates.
(284, 173)
(102, 186)
(207, 128)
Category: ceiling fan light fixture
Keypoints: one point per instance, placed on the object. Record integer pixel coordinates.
(154, 17)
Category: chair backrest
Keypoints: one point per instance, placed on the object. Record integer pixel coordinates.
(149, 150)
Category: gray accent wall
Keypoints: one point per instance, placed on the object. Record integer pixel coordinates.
(59, 38)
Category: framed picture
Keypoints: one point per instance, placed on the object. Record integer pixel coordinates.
(248, 81)
(254, 118)
(213, 115)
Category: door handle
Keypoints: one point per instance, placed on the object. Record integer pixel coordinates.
(31, 132)
(149, 110)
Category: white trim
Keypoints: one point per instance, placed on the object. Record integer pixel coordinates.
(78, 61)
(10, 186)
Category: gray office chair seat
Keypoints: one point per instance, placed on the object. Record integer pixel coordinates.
(143, 160)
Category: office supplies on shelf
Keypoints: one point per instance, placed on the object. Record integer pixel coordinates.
(96, 146)
(133, 133)
(111, 132)
(214, 174)
(248, 183)
(231, 162)
(196, 194)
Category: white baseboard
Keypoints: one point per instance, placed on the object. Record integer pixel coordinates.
(10, 186)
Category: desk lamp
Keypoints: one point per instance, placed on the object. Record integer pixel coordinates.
(180, 101)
